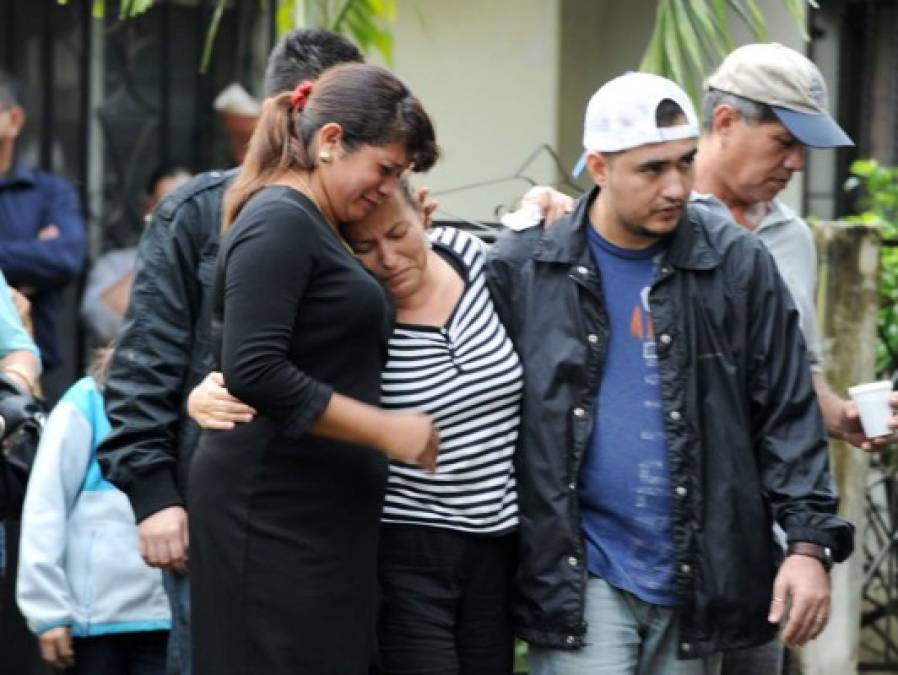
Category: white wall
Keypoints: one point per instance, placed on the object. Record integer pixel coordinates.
(487, 71)
(502, 77)
(601, 39)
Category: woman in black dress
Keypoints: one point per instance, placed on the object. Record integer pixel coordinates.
(284, 511)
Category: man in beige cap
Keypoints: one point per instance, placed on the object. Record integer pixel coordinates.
(762, 107)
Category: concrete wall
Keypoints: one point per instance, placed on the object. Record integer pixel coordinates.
(820, 174)
(488, 74)
(503, 77)
(601, 39)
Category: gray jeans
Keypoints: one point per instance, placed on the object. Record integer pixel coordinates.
(625, 636)
(177, 587)
(762, 660)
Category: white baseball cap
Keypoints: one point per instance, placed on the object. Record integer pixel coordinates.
(621, 115)
(789, 83)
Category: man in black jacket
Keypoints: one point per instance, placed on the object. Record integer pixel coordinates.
(163, 349)
(668, 416)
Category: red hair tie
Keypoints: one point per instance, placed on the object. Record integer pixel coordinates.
(300, 95)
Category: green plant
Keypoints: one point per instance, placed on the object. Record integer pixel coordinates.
(365, 21)
(879, 201)
(692, 36)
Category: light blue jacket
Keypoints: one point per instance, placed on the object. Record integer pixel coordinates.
(79, 559)
(12, 333)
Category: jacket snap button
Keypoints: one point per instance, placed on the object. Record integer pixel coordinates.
(572, 486)
(675, 415)
(579, 412)
(664, 338)
(593, 338)
(572, 561)
(685, 569)
(570, 639)
(582, 270)
(686, 647)
(681, 491)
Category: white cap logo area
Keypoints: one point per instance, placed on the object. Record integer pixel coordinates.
(622, 115)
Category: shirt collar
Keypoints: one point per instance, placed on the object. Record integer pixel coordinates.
(19, 174)
(777, 212)
(565, 242)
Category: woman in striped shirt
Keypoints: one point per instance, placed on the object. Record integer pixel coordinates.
(447, 550)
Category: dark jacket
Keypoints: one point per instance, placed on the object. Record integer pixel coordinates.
(745, 436)
(163, 348)
(31, 200)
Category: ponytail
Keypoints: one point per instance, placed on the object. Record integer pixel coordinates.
(274, 149)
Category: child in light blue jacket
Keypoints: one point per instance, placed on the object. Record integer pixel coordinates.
(83, 587)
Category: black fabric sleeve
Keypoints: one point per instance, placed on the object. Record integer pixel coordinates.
(270, 262)
(504, 260)
(145, 389)
(786, 419)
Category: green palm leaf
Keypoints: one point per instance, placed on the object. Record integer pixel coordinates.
(692, 36)
(365, 21)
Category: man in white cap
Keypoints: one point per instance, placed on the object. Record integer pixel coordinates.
(668, 416)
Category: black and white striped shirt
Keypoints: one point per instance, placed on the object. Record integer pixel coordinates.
(467, 376)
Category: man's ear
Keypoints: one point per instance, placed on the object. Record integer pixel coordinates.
(724, 119)
(17, 118)
(597, 165)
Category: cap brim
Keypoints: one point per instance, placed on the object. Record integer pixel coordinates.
(580, 165)
(814, 130)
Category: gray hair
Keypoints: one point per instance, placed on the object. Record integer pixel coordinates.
(10, 95)
(750, 111)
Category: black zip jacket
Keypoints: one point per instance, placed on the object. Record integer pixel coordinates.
(163, 348)
(744, 433)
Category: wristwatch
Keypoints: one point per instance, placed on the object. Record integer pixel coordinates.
(821, 553)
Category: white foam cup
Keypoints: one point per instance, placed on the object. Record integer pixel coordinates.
(872, 400)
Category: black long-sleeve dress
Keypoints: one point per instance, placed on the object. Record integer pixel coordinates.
(283, 524)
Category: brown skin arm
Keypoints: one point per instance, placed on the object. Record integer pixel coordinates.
(842, 420)
(23, 368)
(56, 647)
(409, 437)
(804, 586)
(23, 309)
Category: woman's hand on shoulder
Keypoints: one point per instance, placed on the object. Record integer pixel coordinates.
(212, 407)
(428, 206)
(412, 438)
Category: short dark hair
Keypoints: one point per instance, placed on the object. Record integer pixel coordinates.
(304, 54)
(669, 114)
(164, 171)
(10, 91)
(750, 111)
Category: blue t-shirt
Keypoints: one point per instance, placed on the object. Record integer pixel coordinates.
(624, 479)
